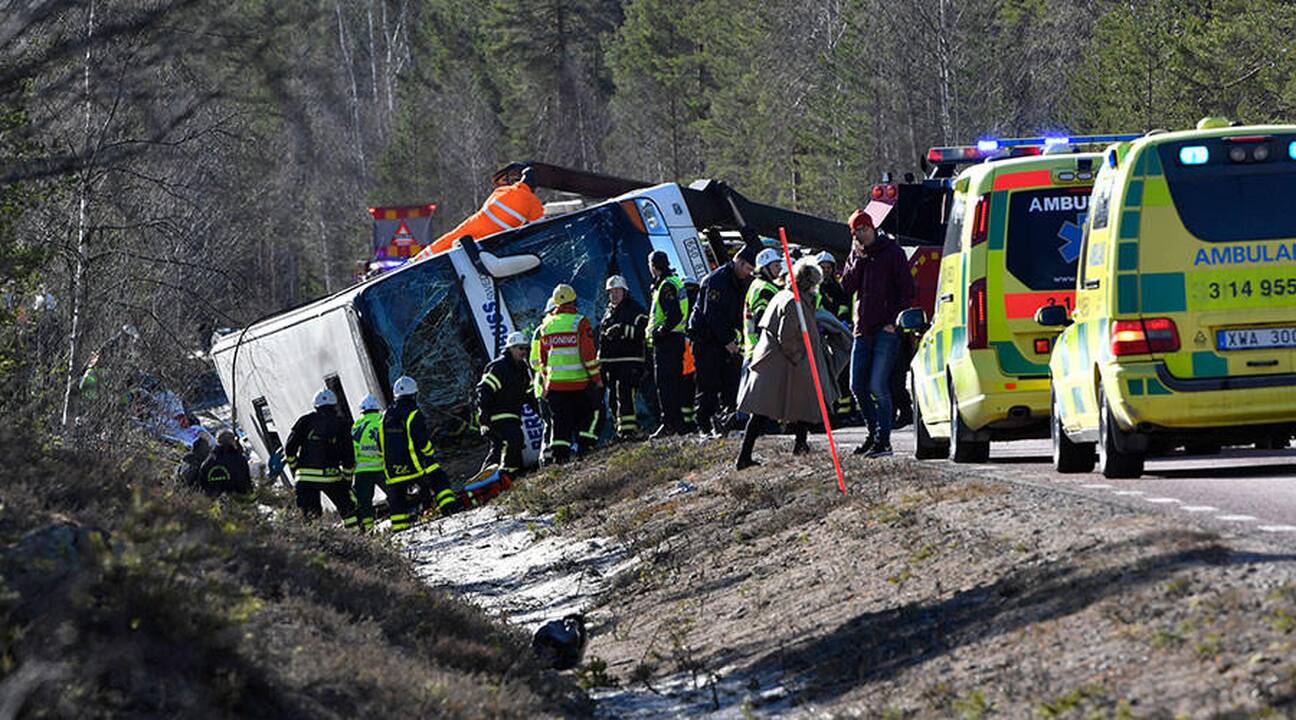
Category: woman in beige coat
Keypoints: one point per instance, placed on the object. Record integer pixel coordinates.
(779, 385)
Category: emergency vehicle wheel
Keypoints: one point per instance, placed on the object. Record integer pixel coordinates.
(1113, 462)
(1068, 456)
(925, 446)
(962, 450)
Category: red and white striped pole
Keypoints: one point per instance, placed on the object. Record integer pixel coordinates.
(814, 367)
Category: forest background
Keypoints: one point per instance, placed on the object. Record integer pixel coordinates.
(178, 166)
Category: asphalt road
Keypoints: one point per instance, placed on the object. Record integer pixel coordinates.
(1241, 490)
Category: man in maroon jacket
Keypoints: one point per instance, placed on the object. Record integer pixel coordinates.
(877, 275)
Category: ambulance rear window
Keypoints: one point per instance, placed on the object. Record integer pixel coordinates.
(1233, 189)
(1045, 229)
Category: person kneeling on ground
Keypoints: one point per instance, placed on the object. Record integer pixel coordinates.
(226, 470)
(779, 385)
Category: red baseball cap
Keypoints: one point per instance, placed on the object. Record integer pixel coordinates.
(859, 219)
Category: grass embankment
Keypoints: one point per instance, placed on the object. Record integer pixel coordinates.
(927, 592)
(167, 604)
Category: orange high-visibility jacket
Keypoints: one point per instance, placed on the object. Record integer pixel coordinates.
(509, 206)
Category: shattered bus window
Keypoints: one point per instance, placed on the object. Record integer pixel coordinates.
(420, 325)
(583, 251)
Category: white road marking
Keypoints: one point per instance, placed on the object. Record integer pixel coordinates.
(1199, 508)
(1235, 518)
(1127, 492)
(1277, 528)
(1164, 500)
(1097, 486)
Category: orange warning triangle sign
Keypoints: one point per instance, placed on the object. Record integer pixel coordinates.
(403, 235)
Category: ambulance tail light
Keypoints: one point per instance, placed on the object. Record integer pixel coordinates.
(977, 334)
(1141, 337)
(981, 220)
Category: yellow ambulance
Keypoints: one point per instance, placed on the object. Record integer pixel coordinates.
(980, 372)
(1183, 331)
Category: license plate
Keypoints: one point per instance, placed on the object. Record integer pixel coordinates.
(1256, 338)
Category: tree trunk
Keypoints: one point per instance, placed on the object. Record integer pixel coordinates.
(83, 231)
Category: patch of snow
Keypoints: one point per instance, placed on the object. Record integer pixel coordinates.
(728, 695)
(514, 565)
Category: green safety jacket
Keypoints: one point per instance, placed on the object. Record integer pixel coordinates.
(759, 295)
(564, 364)
(365, 434)
(657, 323)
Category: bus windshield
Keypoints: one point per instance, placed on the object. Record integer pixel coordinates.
(418, 323)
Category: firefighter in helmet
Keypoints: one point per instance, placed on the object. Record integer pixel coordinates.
(320, 454)
(409, 460)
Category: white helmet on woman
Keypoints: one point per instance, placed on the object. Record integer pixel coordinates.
(617, 282)
(370, 403)
(325, 398)
(767, 256)
(405, 386)
(517, 339)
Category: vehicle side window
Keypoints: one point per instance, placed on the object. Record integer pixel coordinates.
(954, 229)
(266, 425)
(1101, 205)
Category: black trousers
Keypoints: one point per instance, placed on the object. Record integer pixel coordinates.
(758, 425)
(668, 369)
(433, 492)
(338, 492)
(622, 381)
(718, 372)
(365, 482)
(573, 416)
(506, 439)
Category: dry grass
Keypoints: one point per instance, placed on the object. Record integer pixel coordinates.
(194, 608)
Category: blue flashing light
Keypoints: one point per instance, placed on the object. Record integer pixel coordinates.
(1057, 140)
(1291, 150)
(989, 146)
(1194, 155)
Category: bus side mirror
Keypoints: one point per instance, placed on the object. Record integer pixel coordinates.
(1053, 316)
(912, 320)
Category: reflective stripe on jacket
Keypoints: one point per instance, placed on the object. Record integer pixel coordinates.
(406, 443)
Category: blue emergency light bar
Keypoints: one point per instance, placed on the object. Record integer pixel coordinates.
(1017, 147)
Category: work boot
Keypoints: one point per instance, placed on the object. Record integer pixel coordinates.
(801, 448)
(880, 450)
(746, 461)
(865, 446)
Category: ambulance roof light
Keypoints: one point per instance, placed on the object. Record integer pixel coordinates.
(1194, 155)
(1291, 150)
(987, 146)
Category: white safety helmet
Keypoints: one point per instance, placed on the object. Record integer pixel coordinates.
(618, 282)
(325, 398)
(825, 257)
(370, 403)
(516, 339)
(404, 386)
(767, 256)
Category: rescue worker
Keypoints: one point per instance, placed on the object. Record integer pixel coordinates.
(410, 460)
(321, 456)
(621, 354)
(189, 472)
(225, 471)
(570, 368)
(365, 435)
(769, 266)
(688, 383)
(666, 335)
(877, 274)
(715, 327)
(505, 387)
(510, 205)
(833, 298)
(537, 387)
